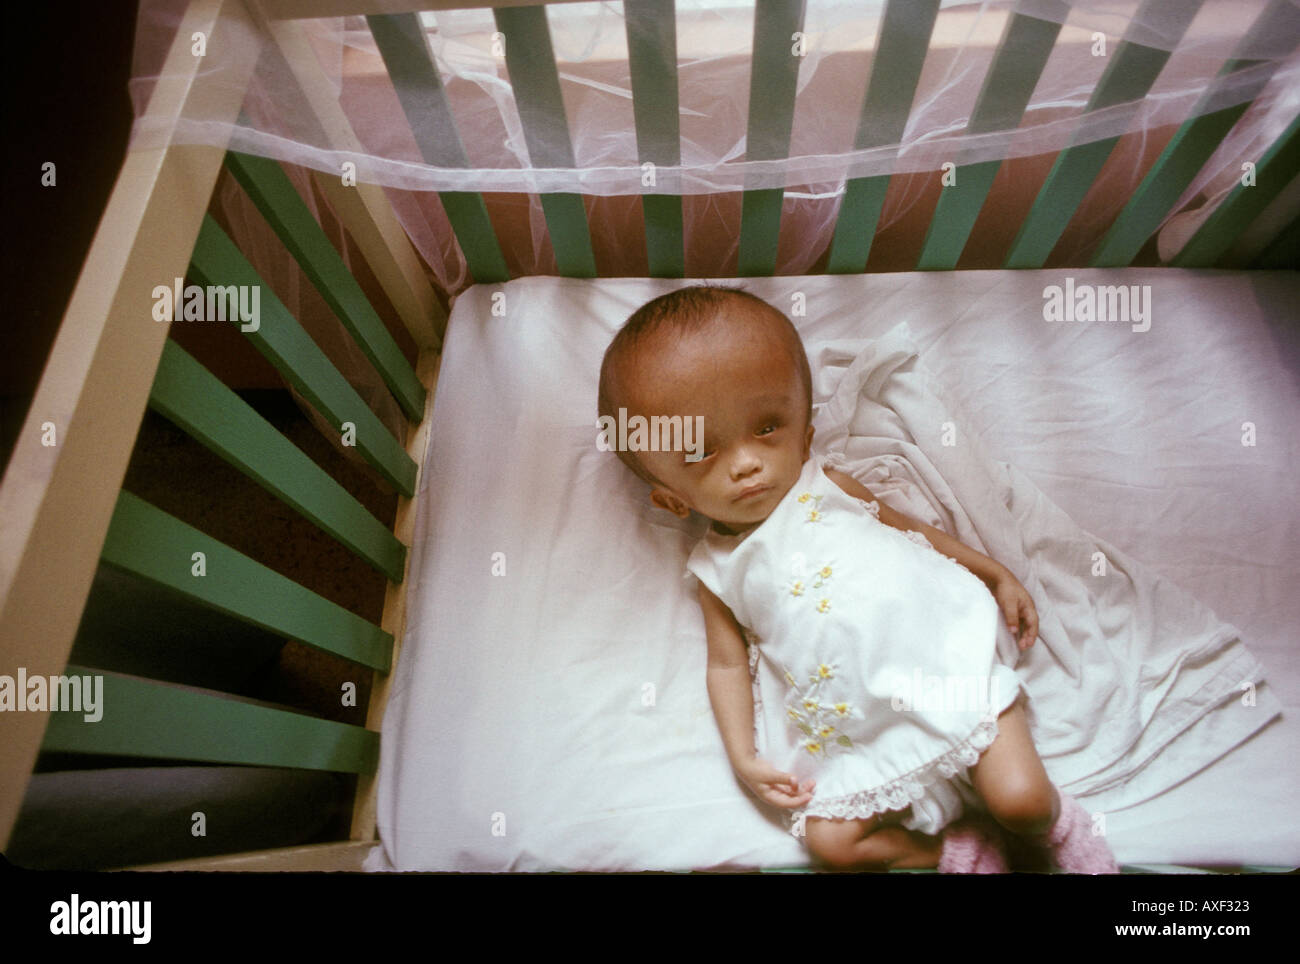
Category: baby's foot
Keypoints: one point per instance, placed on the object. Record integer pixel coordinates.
(1074, 847)
(972, 845)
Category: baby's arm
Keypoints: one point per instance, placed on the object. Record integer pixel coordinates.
(733, 706)
(1014, 600)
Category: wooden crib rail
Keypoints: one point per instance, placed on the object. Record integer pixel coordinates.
(363, 209)
(58, 495)
(370, 221)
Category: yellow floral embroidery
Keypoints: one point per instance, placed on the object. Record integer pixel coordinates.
(813, 514)
(820, 734)
(820, 577)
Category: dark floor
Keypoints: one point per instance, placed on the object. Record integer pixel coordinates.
(66, 103)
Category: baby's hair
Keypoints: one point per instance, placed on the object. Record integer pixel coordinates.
(682, 311)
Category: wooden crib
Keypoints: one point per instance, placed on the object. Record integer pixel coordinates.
(62, 506)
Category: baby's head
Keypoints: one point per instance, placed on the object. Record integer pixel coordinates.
(730, 357)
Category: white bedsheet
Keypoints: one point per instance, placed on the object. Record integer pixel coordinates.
(549, 708)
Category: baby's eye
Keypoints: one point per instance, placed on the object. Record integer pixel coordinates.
(767, 429)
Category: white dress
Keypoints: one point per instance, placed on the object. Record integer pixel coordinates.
(886, 647)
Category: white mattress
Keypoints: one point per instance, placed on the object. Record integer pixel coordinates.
(549, 708)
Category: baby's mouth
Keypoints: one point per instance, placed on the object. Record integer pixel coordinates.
(752, 491)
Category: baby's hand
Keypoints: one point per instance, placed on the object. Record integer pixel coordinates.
(1018, 608)
(774, 787)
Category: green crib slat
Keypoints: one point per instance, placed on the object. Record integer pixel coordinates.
(1274, 171)
(1071, 176)
(467, 213)
(158, 547)
(855, 227)
(279, 337)
(535, 80)
(760, 226)
(663, 235)
(566, 219)
(1128, 77)
(774, 73)
(196, 400)
(954, 216)
(270, 189)
(143, 718)
(402, 45)
(895, 70)
(1018, 63)
(652, 61)
(1189, 149)
(1021, 55)
(1194, 142)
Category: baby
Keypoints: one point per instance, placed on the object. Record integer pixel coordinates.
(844, 598)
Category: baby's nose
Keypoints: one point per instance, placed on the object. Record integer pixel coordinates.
(745, 463)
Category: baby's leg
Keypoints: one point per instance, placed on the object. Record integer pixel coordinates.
(1011, 780)
(1015, 787)
(876, 843)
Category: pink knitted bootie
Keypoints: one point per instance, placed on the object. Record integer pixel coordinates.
(972, 845)
(1075, 848)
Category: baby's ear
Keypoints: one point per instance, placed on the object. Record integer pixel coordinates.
(807, 442)
(665, 499)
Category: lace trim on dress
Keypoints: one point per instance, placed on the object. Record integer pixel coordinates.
(900, 793)
(751, 644)
(920, 539)
(836, 460)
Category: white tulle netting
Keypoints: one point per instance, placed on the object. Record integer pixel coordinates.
(714, 40)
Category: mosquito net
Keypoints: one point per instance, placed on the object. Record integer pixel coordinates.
(1200, 57)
